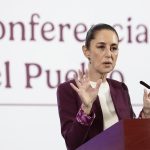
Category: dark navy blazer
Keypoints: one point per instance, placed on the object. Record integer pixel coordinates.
(69, 103)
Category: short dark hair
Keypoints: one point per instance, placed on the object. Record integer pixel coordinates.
(91, 32)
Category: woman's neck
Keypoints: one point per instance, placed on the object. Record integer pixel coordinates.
(94, 76)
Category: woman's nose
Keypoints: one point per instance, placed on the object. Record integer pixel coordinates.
(108, 52)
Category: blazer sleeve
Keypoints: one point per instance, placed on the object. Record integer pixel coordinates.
(73, 132)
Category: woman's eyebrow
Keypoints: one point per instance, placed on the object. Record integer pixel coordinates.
(101, 43)
(114, 44)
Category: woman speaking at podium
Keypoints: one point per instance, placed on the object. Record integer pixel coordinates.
(91, 102)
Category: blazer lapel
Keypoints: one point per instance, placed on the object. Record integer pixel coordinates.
(116, 98)
(98, 111)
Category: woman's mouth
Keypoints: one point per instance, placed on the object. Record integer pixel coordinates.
(107, 63)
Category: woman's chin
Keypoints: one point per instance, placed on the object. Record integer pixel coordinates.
(107, 70)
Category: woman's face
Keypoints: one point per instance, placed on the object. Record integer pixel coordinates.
(103, 51)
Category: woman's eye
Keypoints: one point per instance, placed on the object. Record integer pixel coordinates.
(114, 48)
(101, 47)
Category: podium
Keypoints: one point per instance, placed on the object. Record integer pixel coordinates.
(129, 134)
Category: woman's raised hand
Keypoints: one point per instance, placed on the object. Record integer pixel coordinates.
(146, 103)
(84, 89)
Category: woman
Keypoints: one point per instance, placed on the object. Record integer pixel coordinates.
(92, 103)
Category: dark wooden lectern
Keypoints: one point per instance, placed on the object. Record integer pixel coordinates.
(130, 134)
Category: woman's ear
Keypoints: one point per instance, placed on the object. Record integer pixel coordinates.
(86, 51)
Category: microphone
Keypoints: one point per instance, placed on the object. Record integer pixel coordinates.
(145, 84)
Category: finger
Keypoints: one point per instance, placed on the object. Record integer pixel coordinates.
(75, 75)
(80, 75)
(74, 87)
(87, 75)
(77, 82)
(84, 78)
(149, 95)
(145, 96)
(98, 83)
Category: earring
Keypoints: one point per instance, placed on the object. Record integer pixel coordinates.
(89, 60)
